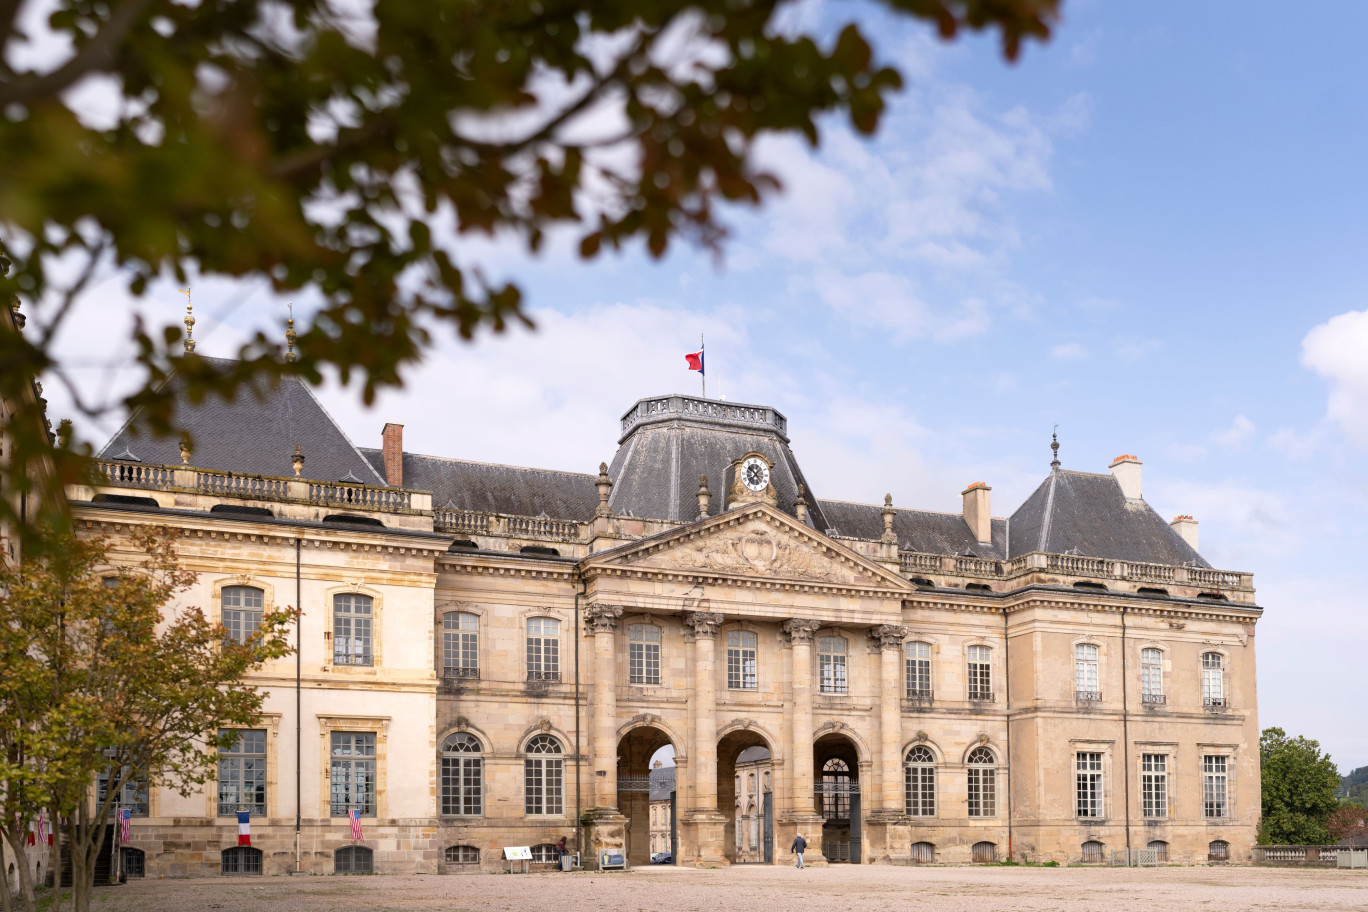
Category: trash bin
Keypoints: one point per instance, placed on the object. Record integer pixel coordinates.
(565, 862)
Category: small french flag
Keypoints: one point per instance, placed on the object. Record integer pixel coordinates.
(244, 828)
(695, 361)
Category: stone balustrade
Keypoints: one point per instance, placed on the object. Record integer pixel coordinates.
(1073, 565)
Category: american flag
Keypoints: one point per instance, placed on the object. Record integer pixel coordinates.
(355, 815)
(125, 825)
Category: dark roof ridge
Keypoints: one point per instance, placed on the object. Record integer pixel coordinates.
(857, 503)
(304, 386)
(495, 465)
(1079, 472)
(128, 422)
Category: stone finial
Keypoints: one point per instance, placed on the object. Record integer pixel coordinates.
(19, 318)
(602, 618)
(888, 514)
(800, 503)
(888, 636)
(185, 450)
(189, 322)
(704, 496)
(1054, 448)
(703, 623)
(290, 336)
(605, 487)
(799, 630)
(297, 460)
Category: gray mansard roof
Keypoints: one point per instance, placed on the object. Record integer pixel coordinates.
(917, 530)
(251, 436)
(487, 487)
(1084, 513)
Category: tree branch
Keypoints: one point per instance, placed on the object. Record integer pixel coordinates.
(94, 54)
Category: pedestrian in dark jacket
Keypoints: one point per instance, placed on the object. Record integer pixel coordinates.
(798, 848)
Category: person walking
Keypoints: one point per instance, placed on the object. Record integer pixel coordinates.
(798, 848)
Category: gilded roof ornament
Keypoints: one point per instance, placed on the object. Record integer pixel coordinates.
(189, 322)
(290, 336)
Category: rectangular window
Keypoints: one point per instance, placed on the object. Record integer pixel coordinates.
(543, 649)
(133, 796)
(1088, 774)
(353, 773)
(460, 645)
(643, 654)
(242, 774)
(1154, 785)
(462, 786)
(1086, 685)
(982, 791)
(1214, 784)
(980, 673)
(1213, 679)
(741, 660)
(353, 616)
(1151, 676)
(242, 609)
(918, 671)
(831, 664)
(544, 785)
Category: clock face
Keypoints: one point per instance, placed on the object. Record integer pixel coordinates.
(755, 474)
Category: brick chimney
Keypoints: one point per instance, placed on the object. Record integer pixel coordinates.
(976, 512)
(393, 448)
(1126, 470)
(1186, 526)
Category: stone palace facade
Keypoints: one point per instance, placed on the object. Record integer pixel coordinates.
(493, 656)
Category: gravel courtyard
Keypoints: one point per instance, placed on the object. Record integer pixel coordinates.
(765, 889)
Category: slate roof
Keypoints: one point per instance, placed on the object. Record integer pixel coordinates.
(662, 782)
(251, 436)
(655, 470)
(917, 530)
(457, 484)
(1087, 514)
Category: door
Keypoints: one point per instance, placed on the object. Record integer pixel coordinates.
(855, 826)
(674, 830)
(767, 835)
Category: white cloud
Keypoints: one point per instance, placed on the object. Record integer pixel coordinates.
(1068, 351)
(1240, 430)
(1298, 444)
(1335, 350)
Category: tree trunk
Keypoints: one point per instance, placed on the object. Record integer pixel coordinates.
(6, 903)
(15, 838)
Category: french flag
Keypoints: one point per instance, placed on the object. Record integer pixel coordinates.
(244, 828)
(695, 361)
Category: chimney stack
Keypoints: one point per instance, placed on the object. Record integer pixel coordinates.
(1126, 470)
(658, 764)
(393, 448)
(976, 512)
(1186, 526)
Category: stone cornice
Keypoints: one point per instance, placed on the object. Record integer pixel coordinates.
(1025, 599)
(237, 531)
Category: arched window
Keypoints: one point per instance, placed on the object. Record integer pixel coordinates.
(985, 852)
(982, 783)
(240, 860)
(741, 660)
(836, 789)
(923, 852)
(1086, 684)
(831, 664)
(1160, 849)
(1092, 852)
(462, 855)
(643, 654)
(462, 776)
(460, 645)
(544, 777)
(353, 629)
(767, 781)
(1151, 676)
(132, 862)
(1218, 850)
(920, 782)
(750, 784)
(918, 671)
(242, 609)
(353, 860)
(1213, 679)
(543, 649)
(981, 673)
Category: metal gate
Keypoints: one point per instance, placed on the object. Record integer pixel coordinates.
(767, 835)
(855, 826)
(674, 829)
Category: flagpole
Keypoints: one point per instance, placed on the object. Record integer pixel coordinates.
(703, 374)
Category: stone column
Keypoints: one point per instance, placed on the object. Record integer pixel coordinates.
(802, 814)
(608, 832)
(703, 816)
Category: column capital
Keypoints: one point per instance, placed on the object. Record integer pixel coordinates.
(887, 636)
(799, 630)
(703, 623)
(602, 618)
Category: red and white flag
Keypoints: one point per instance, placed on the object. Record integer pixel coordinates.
(244, 828)
(125, 825)
(43, 835)
(695, 361)
(31, 840)
(355, 816)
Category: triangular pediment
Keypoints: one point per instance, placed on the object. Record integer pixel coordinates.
(753, 542)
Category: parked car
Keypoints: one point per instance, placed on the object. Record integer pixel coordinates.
(662, 858)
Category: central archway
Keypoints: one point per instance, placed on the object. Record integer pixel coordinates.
(836, 775)
(646, 795)
(745, 796)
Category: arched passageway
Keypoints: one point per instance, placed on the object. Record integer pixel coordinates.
(646, 794)
(836, 776)
(745, 796)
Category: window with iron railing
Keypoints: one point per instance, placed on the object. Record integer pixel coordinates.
(242, 774)
(831, 664)
(460, 645)
(352, 774)
(643, 654)
(918, 671)
(133, 795)
(543, 649)
(1152, 676)
(353, 629)
(1213, 679)
(981, 674)
(1086, 687)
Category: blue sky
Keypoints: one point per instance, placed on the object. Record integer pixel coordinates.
(1150, 231)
